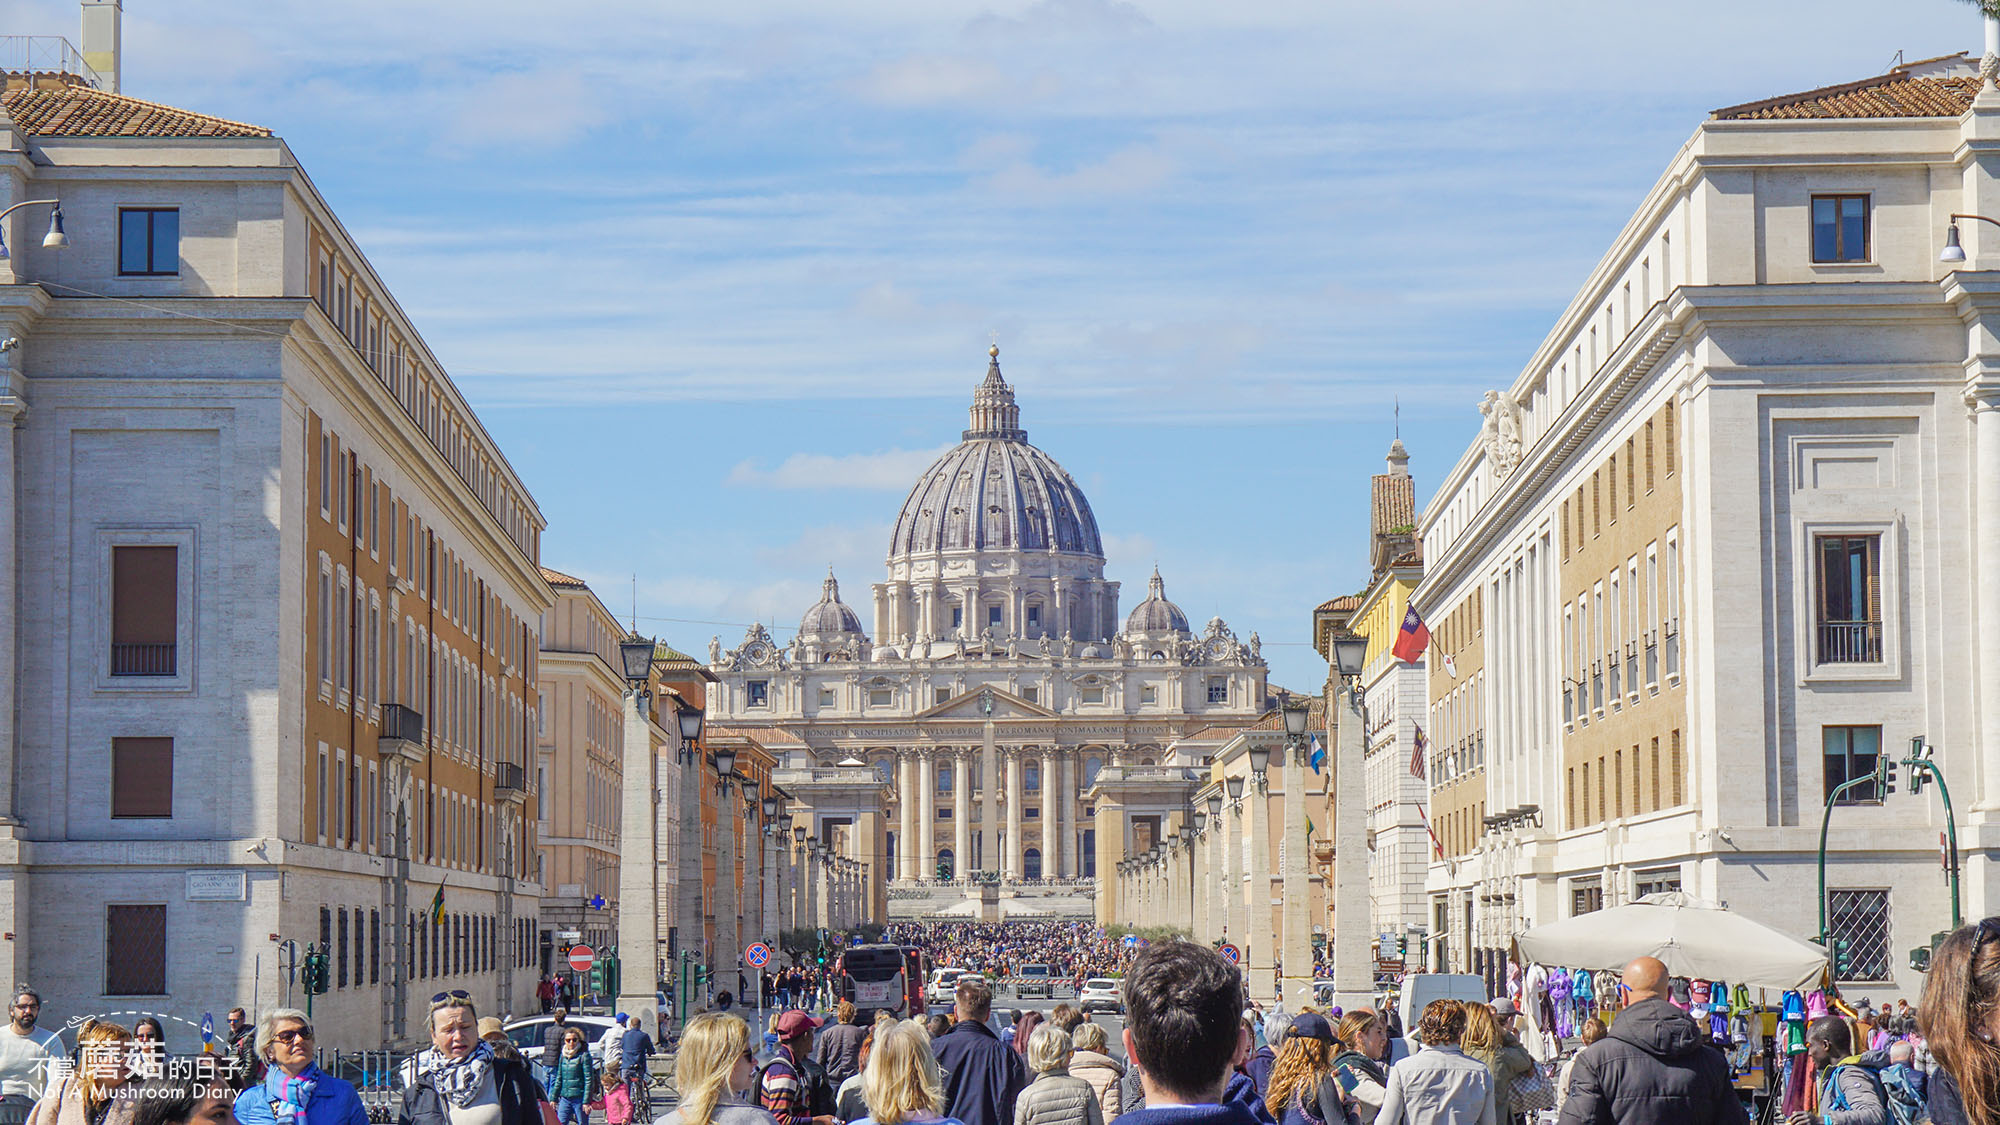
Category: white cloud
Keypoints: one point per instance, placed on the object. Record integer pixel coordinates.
(891, 469)
(1131, 170)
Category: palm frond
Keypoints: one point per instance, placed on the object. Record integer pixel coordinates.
(1990, 7)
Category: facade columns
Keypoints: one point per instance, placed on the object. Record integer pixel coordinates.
(809, 889)
(1230, 886)
(1985, 406)
(1072, 833)
(727, 900)
(1296, 956)
(1215, 882)
(1010, 863)
(923, 841)
(1353, 965)
(1112, 853)
(772, 918)
(753, 877)
(1052, 791)
(961, 816)
(989, 802)
(906, 808)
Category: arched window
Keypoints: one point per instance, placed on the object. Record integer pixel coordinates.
(1031, 863)
(887, 768)
(1145, 761)
(1090, 767)
(946, 865)
(944, 779)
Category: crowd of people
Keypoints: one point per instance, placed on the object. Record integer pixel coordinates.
(1072, 949)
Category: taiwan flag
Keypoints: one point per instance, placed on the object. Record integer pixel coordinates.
(1414, 638)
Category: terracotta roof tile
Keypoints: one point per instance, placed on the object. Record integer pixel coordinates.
(65, 109)
(558, 578)
(1394, 497)
(1345, 602)
(1939, 92)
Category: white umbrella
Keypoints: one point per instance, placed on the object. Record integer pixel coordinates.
(1694, 939)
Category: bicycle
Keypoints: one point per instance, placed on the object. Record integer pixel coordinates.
(639, 1088)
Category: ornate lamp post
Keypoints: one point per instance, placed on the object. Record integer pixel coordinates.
(1353, 965)
(638, 834)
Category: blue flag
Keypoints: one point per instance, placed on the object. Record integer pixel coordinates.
(1318, 758)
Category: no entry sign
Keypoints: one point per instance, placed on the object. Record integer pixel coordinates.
(580, 957)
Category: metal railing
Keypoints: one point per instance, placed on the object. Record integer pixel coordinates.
(401, 722)
(1850, 642)
(508, 775)
(44, 54)
(144, 660)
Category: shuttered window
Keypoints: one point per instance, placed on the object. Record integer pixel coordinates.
(135, 950)
(142, 778)
(1850, 598)
(145, 610)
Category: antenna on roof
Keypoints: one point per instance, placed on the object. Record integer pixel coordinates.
(635, 604)
(1894, 63)
(1399, 417)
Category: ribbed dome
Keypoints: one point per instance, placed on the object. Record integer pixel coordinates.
(830, 615)
(995, 491)
(1156, 614)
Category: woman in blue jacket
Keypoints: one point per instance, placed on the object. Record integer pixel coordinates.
(295, 1091)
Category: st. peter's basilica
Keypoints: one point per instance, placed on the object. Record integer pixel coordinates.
(1001, 730)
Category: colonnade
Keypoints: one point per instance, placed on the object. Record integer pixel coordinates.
(1057, 832)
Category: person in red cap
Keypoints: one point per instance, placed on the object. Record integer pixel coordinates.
(786, 1088)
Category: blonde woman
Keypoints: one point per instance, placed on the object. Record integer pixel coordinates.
(92, 1094)
(713, 1069)
(901, 1082)
(1094, 1065)
(1055, 1097)
(1302, 1089)
(1358, 1067)
(1488, 1041)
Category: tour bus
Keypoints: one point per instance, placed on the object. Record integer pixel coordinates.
(887, 978)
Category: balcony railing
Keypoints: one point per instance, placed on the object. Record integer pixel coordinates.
(1850, 642)
(1673, 646)
(1652, 661)
(143, 660)
(510, 782)
(401, 722)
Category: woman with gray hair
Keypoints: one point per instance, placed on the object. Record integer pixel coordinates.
(459, 1080)
(295, 1091)
(1055, 1097)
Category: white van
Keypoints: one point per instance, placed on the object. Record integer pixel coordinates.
(1419, 989)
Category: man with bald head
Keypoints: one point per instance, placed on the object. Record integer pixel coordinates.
(1654, 1067)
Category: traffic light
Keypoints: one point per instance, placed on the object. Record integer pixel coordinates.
(1888, 777)
(597, 975)
(314, 971)
(611, 981)
(1840, 961)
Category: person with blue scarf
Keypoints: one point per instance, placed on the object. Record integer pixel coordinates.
(295, 1091)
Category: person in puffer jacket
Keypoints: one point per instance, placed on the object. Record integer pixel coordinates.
(1654, 1067)
(1850, 1092)
(1055, 1097)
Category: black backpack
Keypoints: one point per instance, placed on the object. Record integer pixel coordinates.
(814, 1089)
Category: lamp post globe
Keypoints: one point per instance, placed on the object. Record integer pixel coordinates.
(636, 653)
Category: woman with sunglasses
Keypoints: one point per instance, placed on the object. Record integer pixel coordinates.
(459, 1080)
(574, 1080)
(713, 1069)
(295, 1091)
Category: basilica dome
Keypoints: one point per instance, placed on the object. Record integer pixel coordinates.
(1156, 614)
(995, 492)
(830, 616)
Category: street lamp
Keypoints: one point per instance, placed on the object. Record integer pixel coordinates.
(691, 720)
(1260, 759)
(55, 239)
(1953, 250)
(770, 808)
(1350, 654)
(636, 652)
(1235, 786)
(1215, 804)
(1298, 713)
(799, 835)
(1353, 968)
(725, 763)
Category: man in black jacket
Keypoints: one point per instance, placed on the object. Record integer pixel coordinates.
(1653, 1067)
(982, 1075)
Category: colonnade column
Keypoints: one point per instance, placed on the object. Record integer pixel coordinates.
(923, 840)
(906, 802)
(1072, 828)
(1231, 885)
(1259, 932)
(1215, 883)
(989, 802)
(961, 817)
(1052, 791)
(1010, 863)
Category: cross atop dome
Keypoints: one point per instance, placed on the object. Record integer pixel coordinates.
(994, 414)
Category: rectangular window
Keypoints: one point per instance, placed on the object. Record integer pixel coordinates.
(1649, 456)
(940, 695)
(1149, 694)
(879, 697)
(993, 616)
(324, 781)
(1034, 617)
(1851, 752)
(135, 950)
(142, 778)
(1586, 896)
(1654, 763)
(1218, 689)
(957, 617)
(1611, 486)
(145, 610)
(1840, 228)
(340, 948)
(1618, 786)
(1096, 695)
(1032, 693)
(1667, 437)
(1656, 881)
(1596, 508)
(759, 692)
(1850, 598)
(1860, 921)
(1677, 767)
(149, 241)
(826, 697)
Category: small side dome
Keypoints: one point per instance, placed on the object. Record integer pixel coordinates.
(830, 617)
(1156, 614)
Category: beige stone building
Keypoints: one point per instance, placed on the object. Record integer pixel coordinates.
(580, 755)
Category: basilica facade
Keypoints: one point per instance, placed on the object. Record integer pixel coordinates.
(1001, 724)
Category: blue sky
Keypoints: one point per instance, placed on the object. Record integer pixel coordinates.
(757, 250)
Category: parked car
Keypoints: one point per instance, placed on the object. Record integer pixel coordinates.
(1101, 994)
(1036, 982)
(526, 1035)
(943, 986)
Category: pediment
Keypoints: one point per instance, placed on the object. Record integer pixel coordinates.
(968, 706)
